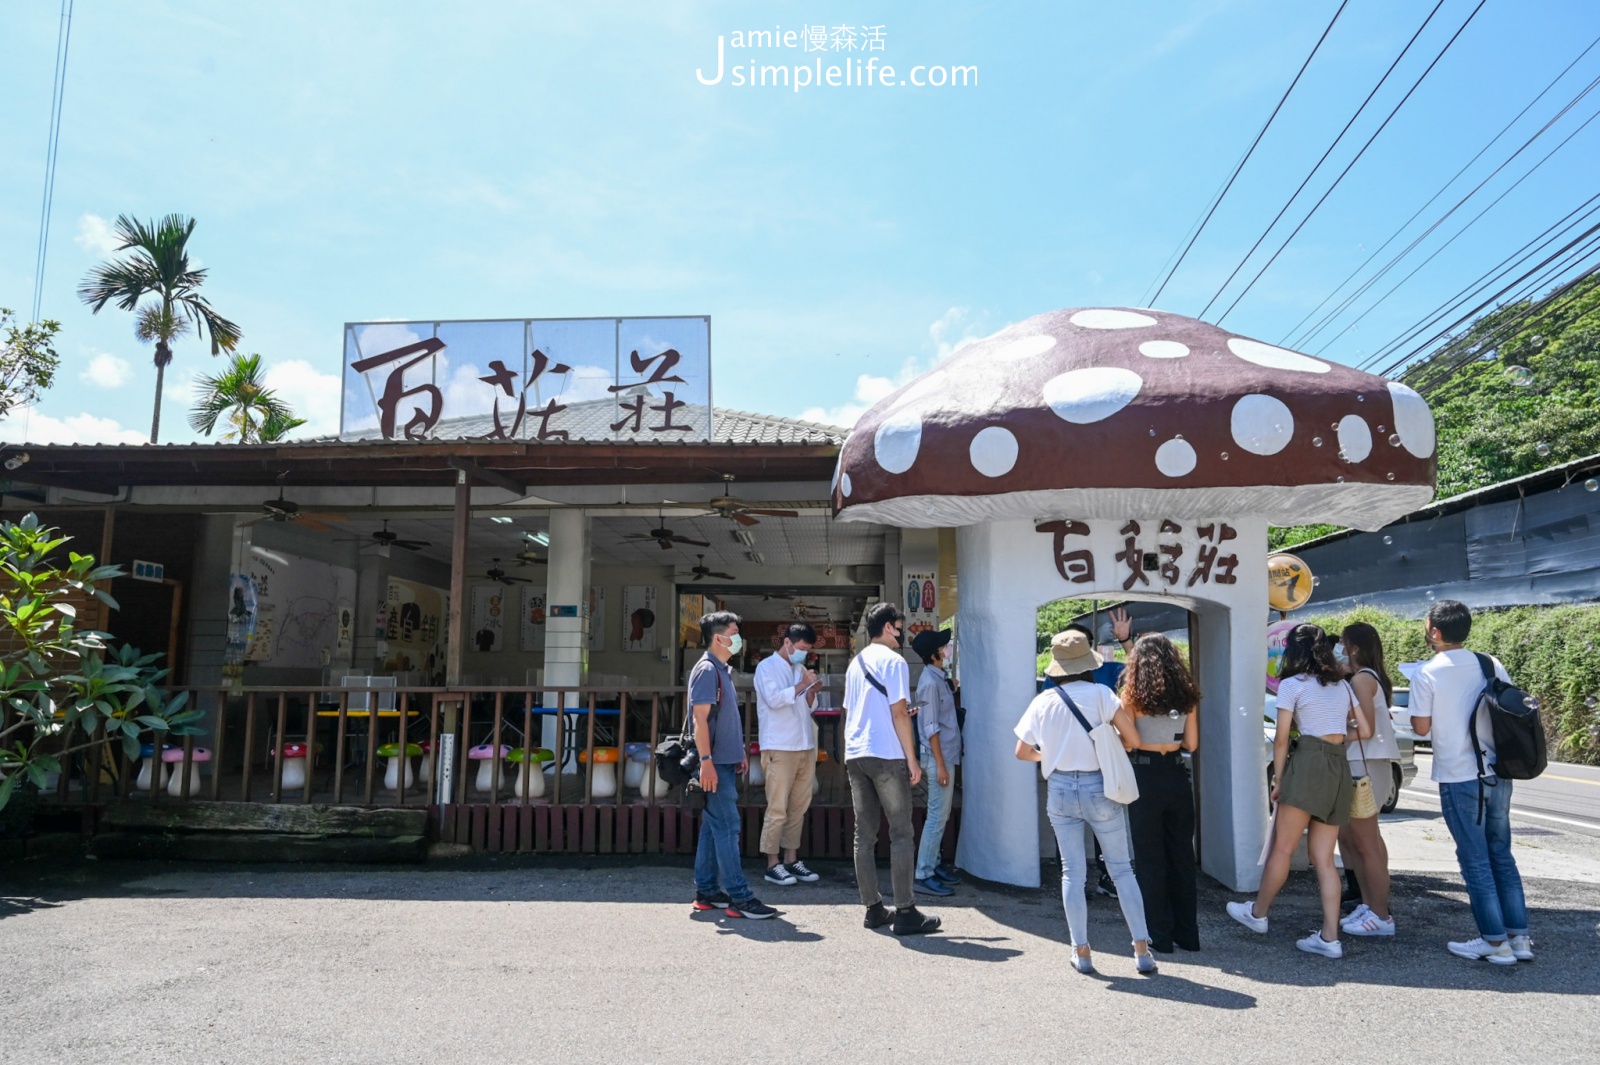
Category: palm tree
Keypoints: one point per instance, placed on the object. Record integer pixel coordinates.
(239, 393)
(158, 266)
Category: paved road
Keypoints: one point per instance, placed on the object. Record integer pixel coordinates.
(1566, 795)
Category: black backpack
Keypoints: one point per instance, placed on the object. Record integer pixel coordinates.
(1519, 748)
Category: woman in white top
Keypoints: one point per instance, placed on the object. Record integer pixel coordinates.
(1311, 783)
(1050, 734)
(1360, 652)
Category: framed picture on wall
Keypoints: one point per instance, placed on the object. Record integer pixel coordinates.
(487, 632)
(532, 618)
(597, 618)
(639, 615)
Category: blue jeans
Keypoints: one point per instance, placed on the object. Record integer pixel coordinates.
(938, 814)
(1483, 848)
(1076, 799)
(716, 855)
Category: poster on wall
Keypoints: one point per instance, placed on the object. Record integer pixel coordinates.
(241, 626)
(297, 611)
(922, 602)
(412, 629)
(534, 606)
(597, 618)
(639, 616)
(487, 629)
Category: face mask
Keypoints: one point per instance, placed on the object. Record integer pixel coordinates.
(798, 656)
(735, 644)
(1339, 656)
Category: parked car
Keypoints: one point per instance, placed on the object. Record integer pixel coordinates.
(1404, 768)
(1400, 714)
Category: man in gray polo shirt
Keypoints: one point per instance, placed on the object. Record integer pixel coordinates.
(719, 881)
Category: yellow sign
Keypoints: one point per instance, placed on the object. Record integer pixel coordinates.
(1288, 582)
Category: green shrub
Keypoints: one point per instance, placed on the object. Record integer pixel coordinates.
(1548, 650)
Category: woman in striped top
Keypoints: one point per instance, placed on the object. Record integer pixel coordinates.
(1311, 779)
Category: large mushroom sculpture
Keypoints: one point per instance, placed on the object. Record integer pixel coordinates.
(1127, 453)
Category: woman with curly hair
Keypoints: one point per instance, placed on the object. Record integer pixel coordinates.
(1160, 693)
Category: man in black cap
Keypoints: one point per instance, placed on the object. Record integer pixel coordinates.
(941, 753)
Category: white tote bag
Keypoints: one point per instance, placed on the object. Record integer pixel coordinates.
(1115, 769)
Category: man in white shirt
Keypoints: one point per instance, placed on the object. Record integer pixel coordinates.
(880, 760)
(785, 693)
(1444, 698)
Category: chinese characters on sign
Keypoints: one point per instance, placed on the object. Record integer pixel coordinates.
(1154, 562)
(529, 379)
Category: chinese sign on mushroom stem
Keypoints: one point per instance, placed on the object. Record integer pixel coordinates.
(536, 379)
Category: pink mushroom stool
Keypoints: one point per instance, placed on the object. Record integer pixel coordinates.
(488, 757)
(174, 756)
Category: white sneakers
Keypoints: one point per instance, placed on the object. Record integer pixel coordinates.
(1245, 914)
(1522, 948)
(1364, 922)
(1481, 949)
(1315, 944)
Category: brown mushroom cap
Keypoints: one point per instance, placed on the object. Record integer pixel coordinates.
(1123, 412)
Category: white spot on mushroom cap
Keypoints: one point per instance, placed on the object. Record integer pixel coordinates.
(1091, 394)
(844, 485)
(1275, 358)
(1175, 458)
(1262, 425)
(897, 441)
(1412, 420)
(1102, 318)
(1355, 438)
(1023, 348)
(993, 451)
(1163, 349)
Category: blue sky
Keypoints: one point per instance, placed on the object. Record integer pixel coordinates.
(356, 161)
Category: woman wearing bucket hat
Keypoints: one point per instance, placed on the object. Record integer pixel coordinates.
(941, 752)
(1052, 732)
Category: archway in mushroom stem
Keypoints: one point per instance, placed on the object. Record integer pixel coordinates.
(1213, 567)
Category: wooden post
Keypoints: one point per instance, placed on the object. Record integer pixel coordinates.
(458, 583)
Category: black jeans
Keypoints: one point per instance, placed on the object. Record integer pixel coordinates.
(881, 788)
(1162, 824)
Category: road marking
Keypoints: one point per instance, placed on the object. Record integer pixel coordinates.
(1570, 780)
(1590, 825)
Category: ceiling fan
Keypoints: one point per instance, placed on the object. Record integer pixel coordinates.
(528, 558)
(702, 571)
(495, 573)
(384, 538)
(282, 510)
(665, 536)
(740, 511)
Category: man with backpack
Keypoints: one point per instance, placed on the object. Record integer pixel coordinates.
(881, 761)
(1458, 698)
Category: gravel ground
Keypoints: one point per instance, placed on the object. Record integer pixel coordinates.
(522, 959)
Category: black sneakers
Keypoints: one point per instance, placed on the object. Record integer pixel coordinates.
(878, 915)
(799, 871)
(781, 875)
(719, 901)
(753, 908)
(912, 922)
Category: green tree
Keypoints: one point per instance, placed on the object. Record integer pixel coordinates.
(158, 265)
(28, 360)
(62, 684)
(239, 396)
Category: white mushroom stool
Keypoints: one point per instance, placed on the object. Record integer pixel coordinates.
(602, 763)
(149, 763)
(758, 776)
(174, 755)
(294, 766)
(527, 779)
(488, 757)
(397, 774)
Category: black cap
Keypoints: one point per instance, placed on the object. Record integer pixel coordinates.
(926, 642)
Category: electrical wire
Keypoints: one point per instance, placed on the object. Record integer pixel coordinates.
(1336, 181)
(1290, 339)
(58, 91)
(1250, 151)
(1318, 165)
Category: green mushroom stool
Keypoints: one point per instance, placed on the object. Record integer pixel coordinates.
(531, 764)
(397, 775)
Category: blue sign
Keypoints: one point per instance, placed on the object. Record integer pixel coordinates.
(148, 571)
(564, 611)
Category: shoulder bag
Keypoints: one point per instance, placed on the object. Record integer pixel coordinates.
(1115, 768)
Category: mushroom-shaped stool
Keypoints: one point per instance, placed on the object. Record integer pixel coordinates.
(294, 765)
(640, 773)
(150, 765)
(425, 763)
(174, 756)
(1132, 454)
(758, 778)
(602, 763)
(488, 756)
(397, 775)
(528, 779)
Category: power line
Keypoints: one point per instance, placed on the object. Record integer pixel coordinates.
(1318, 165)
(1290, 339)
(1376, 133)
(58, 90)
(1250, 151)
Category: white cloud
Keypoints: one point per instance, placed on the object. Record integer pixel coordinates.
(310, 393)
(95, 236)
(954, 330)
(107, 371)
(869, 390)
(25, 426)
(950, 332)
